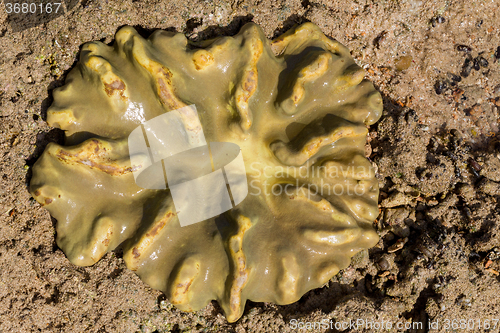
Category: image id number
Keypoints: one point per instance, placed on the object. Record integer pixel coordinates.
(32, 8)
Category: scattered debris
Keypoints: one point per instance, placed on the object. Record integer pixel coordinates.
(398, 245)
(463, 48)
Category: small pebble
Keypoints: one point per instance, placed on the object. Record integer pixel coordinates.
(458, 94)
(495, 101)
(455, 139)
(380, 38)
(383, 264)
(451, 155)
(384, 274)
(494, 254)
(454, 77)
(456, 134)
(464, 48)
(483, 62)
(475, 165)
(497, 53)
(403, 62)
(398, 245)
(476, 64)
(425, 251)
(476, 109)
(467, 213)
(411, 116)
(467, 67)
(440, 86)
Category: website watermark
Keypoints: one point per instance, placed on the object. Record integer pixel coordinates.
(325, 170)
(462, 324)
(25, 14)
(358, 324)
(323, 180)
(297, 187)
(170, 152)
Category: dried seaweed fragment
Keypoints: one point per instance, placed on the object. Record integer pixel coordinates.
(297, 106)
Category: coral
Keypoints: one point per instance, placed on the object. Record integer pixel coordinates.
(297, 106)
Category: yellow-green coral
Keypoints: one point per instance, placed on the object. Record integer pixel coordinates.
(297, 107)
